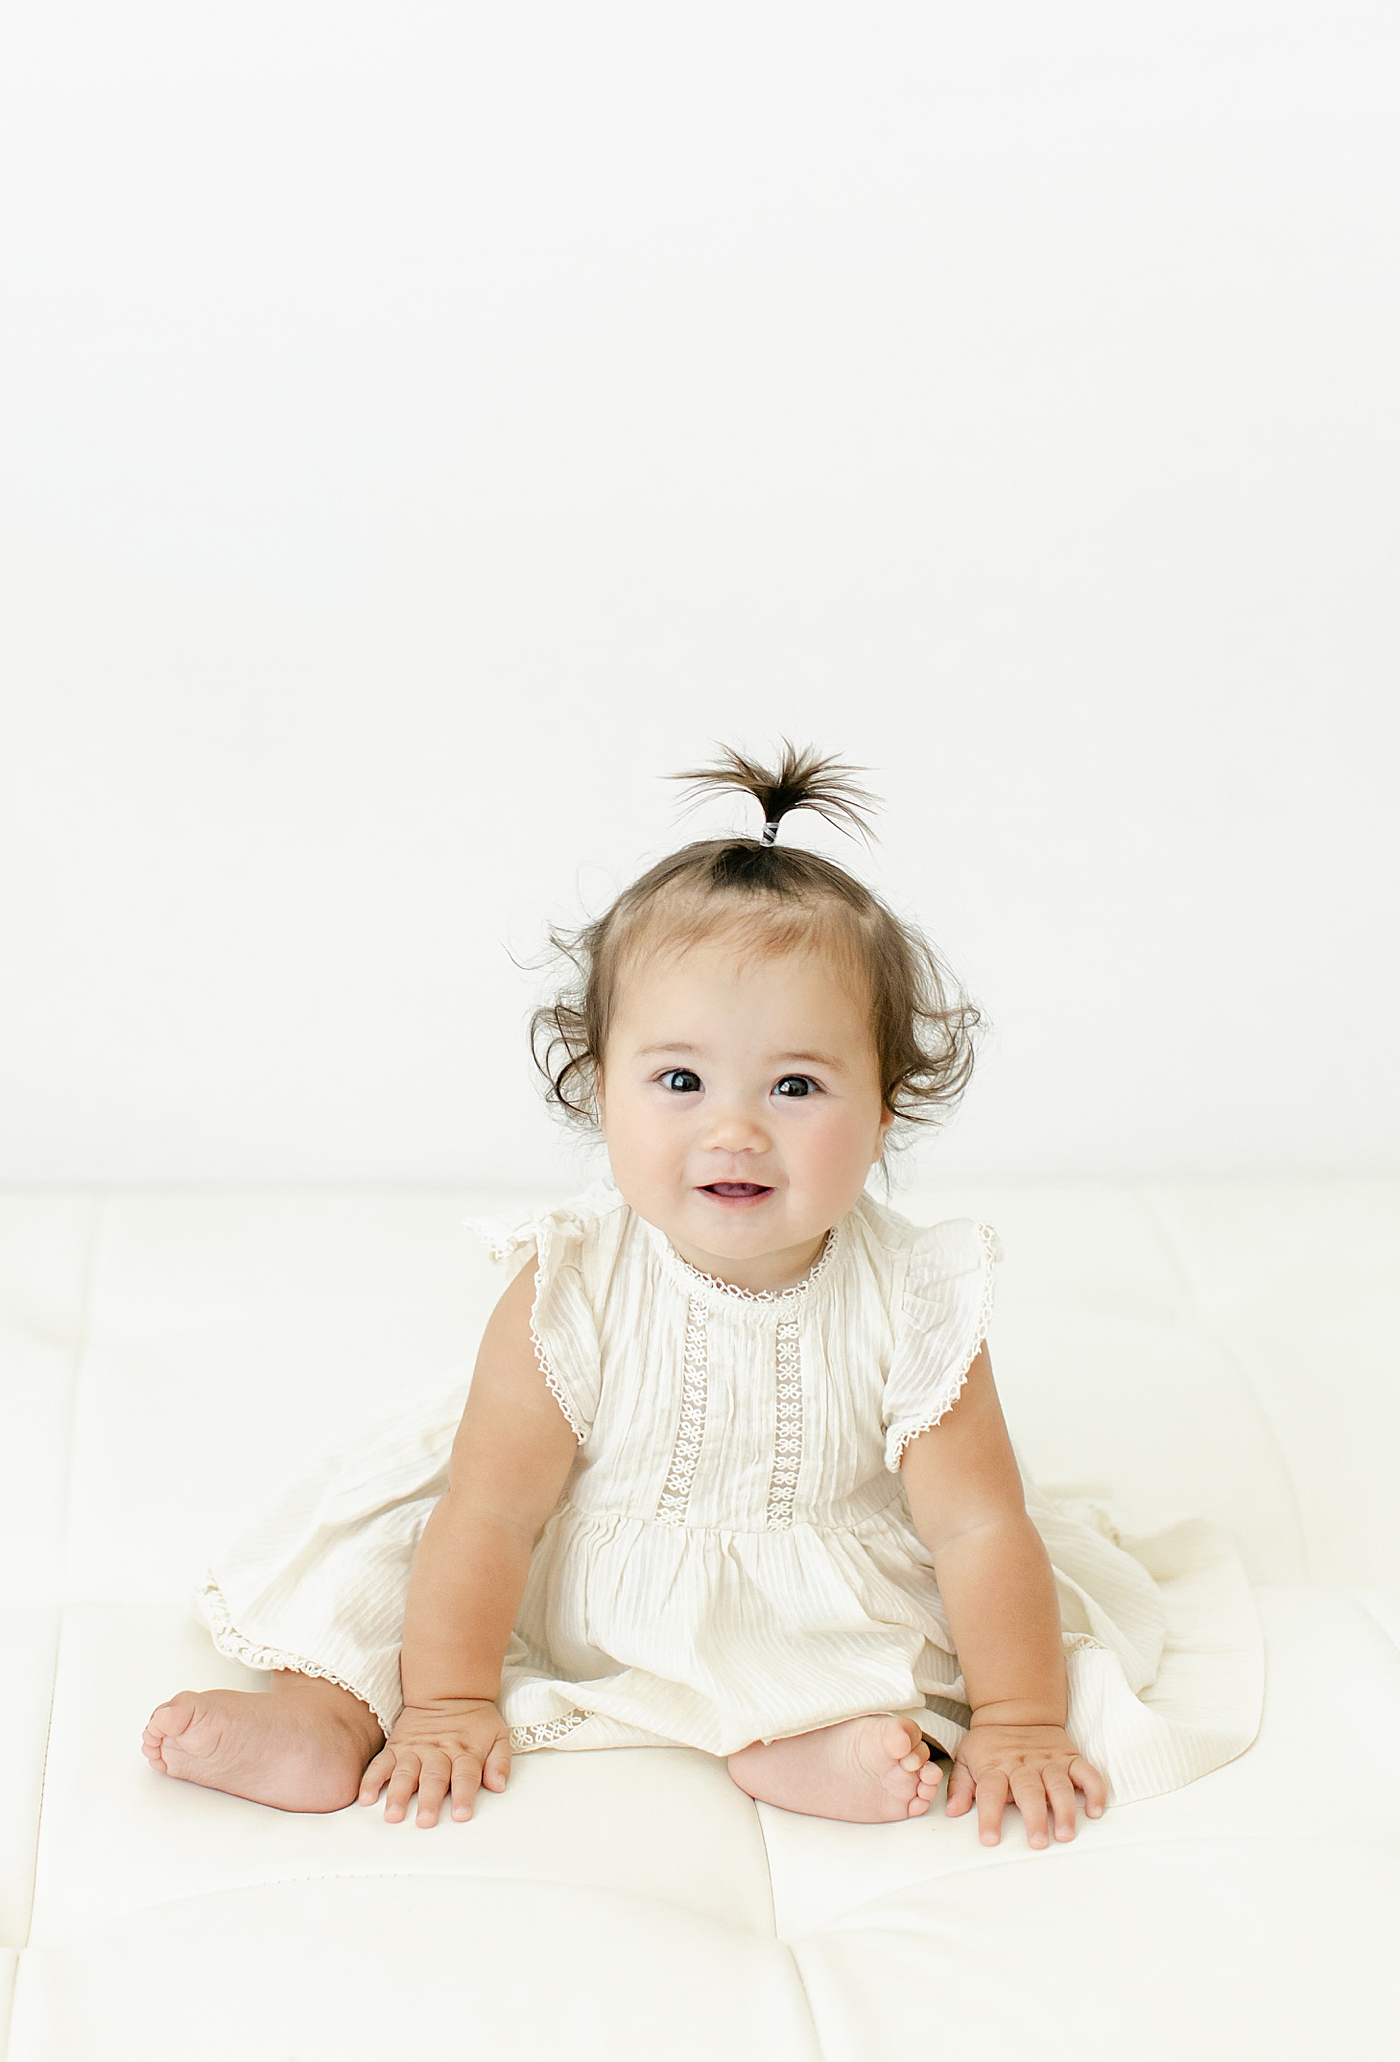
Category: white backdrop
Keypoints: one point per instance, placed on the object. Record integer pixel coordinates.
(428, 423)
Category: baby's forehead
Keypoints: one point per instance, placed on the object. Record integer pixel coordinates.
(741, 984)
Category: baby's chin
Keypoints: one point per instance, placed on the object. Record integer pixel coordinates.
(738, 1221)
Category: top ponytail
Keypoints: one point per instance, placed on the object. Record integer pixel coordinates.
(803, 780)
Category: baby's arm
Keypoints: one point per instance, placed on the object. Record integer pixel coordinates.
(965, 1495)
(510, 1461)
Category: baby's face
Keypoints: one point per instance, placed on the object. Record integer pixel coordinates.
(740, 1101)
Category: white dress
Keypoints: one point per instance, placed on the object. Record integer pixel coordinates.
(733, 1557)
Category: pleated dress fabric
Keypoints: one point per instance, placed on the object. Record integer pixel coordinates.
(733, 1558)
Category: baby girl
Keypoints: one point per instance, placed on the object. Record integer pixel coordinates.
(731, 1472)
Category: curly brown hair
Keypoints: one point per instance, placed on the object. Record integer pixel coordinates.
(774, 899)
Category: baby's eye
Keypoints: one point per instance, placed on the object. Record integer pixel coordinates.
(680, 1080)
(796, 1084)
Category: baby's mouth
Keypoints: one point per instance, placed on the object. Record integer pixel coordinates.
(736, 1191)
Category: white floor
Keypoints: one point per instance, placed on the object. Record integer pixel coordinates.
(167, 1358)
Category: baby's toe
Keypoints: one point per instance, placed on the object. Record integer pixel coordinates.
(925, 1787)
(165, 1726)
(902, 1743)
(901, 1787)
(170, 1719)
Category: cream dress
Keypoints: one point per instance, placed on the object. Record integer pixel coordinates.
(733, 1557)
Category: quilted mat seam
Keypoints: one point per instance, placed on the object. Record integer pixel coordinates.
(190, 1897)
(1178, 1255)
(1387, 1842)
(1358, 1598)
(80, 1354)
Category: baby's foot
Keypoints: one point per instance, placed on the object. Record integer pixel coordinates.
(301, 1747)
(869, 1770)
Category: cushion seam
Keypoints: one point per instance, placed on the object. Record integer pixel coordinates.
(80, 1358)
(1385, 1841)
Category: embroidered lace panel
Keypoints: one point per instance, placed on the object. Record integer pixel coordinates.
(524, 1737)
(675, 1495)
(712, 1282)
(787, 1450)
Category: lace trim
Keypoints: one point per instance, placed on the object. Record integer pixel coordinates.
(499, 1244)
(552, 1381)
(229, 1640)
(951, 1393)
(524, 1737)
(554, 1385)
(690, 1435)
(787, 1445)
(699, 1279)
(502, 1236)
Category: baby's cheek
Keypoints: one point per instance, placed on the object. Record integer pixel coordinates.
(831, 1161)
(647, 1171)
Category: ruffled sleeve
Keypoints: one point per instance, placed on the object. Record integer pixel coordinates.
(562, 1324)
(947, 1306)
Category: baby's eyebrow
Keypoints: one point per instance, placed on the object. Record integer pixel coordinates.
(777, 1059)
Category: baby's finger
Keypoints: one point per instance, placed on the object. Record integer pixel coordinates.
(376, 1775)
(1063, 1803)
(1028, 1789)
(434, 1779)
(402, 1784)
(991, 1803)
(961, 1791)
(497, 1766)
(1087, 1778)
(466, 1780)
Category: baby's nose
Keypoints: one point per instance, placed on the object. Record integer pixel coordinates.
(736, 1131)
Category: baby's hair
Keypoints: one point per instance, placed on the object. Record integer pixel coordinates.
(804, 780)
(777, 898)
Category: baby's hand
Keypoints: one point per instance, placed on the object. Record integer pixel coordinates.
(435, 1749)
(1037, 1767)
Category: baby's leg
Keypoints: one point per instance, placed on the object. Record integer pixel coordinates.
(865, 1769)
(302, 1745)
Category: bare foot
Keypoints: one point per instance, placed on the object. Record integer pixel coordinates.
(301, 1746)
(868, 1770)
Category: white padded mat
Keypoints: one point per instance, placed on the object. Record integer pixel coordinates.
(167, 1359)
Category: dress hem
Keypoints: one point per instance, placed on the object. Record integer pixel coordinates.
(214, 1609)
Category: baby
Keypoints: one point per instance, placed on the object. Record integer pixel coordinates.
(732, 1472)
